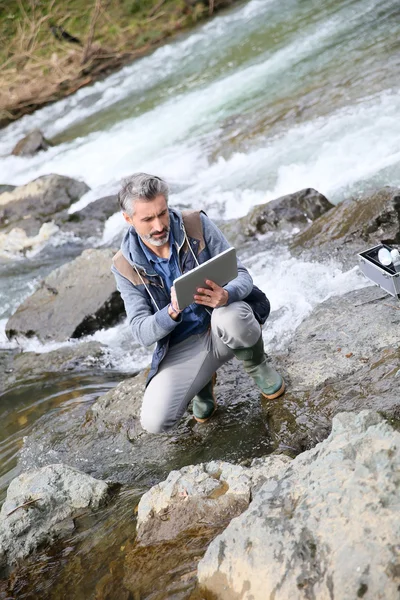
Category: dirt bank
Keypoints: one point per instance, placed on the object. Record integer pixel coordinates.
(49, 51)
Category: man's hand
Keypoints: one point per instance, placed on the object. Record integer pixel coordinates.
(173, 309)
(214, 297)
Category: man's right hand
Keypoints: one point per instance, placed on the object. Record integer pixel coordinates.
(173, 308)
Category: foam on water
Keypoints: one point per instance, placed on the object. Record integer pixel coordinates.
(293, 286)
(355, 144)
(164, 137)
(176, 137)
(138, 77)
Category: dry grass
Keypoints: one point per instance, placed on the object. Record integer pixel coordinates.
(37, 68)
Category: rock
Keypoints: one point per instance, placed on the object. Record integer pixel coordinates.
(296, 209)
(111, 429)
(207, 493)
(15, 367)
(52, 496)
(6, 188)
(344, 356)
(120, 407)
(341, 335)
(363, 221)
(76, 299)
(16, 241)
(90, 220)
(328, 528)
(29, 206)
(31, 144)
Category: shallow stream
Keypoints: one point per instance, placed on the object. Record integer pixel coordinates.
(263, 100)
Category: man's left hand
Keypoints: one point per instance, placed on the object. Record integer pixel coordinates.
(214, 297)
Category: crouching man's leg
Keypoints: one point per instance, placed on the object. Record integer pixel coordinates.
(187, 371)
(236, 326)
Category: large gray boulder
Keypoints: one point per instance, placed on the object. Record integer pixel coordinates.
(361, 222)
(284, 213)
(208, 494)
(40, 506)
(344, 356)
(76, 299)
(29, 206)
(90, 220)
(299, 208)
(31, 144)
(342, 335)
(328, 528)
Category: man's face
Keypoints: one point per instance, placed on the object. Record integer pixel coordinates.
(151, 220)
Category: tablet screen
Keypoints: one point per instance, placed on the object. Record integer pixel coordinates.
(221, 269)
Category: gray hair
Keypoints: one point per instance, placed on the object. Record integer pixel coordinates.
(143, 187)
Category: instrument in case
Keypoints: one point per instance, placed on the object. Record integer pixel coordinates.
(384, 274)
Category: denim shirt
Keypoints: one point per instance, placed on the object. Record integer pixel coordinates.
(195, 319)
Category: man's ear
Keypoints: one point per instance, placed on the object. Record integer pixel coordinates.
(127, 218)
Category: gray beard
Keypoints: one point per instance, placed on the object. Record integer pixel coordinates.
(154, 242)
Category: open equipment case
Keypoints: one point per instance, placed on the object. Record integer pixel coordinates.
(385, 276)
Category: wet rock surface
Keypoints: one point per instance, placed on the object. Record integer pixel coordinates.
(342, 335)
(76, 299)
(16, 366)
(344, 356)
(31, 144)
(354, 225)
(287, 212)
(40, 506)
(89, 221)
(108, 442)
(30, 206)
(281, 546)
(321, 381)
(202, 494)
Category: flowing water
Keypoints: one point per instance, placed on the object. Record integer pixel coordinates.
(265, 99)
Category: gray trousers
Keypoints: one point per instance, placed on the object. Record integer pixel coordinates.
(189, 365)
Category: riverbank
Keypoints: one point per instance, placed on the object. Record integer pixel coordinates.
(50, 51)
(84, 465)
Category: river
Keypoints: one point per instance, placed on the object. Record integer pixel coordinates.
(265, 99)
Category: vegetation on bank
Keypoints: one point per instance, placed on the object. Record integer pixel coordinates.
(51, 48)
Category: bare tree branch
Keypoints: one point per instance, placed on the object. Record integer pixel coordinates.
(95, 16)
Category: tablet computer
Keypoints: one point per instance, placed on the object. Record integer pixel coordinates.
(221, 269)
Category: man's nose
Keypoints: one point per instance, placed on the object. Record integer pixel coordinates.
(158, 225)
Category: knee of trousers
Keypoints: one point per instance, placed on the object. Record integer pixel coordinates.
(226, 317)
(155, 422)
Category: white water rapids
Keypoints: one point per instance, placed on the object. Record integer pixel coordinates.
(266, 99)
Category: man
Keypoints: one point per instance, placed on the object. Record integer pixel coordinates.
(160, 245)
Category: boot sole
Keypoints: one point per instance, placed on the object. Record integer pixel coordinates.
(208, 418)
(277, 394)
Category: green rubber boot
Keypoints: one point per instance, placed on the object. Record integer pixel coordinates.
(255, 364)
(204, 404)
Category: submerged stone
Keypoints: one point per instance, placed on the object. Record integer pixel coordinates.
(31, 144)
(40, 506)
